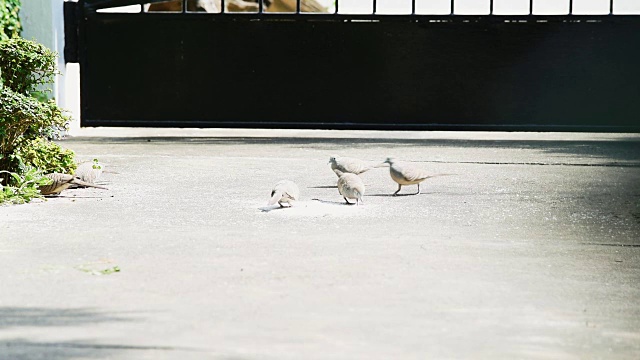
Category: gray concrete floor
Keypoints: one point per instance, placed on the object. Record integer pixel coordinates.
(531, 250)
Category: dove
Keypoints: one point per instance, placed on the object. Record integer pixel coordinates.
(406, 174)
(345, 164)
(62, 182)
(88, 172)
(350, 186)
(285, 191)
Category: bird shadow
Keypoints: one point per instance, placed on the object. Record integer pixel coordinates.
(332, 202)
(323, 187)
(398, 195)
(270, 208)
(72, 197)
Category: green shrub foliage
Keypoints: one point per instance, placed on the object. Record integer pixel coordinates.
(26, 65)
(45, 156)
(24, 186)
(9, 21)
(26, 123)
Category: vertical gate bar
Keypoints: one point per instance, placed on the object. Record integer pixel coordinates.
(413, 7)
(222, 4)
(611, 7)
(260, 6)
(491, 7)
(375, 7)
(336, 7)
(530, 7)
(184, 6)
(297, 6)
(570, 7)
(453, 6)
(141, 7)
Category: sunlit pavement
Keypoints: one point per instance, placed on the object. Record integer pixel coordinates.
(529, 249)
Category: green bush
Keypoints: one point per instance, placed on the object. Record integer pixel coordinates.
(23, 120)
(9, 21)
(26, 123)
(44, 155)
(23, 188)
(26, 65)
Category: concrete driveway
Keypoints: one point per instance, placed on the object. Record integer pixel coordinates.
(530, 250)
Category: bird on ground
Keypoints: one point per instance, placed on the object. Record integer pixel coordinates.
(345, 164)
(407, 174)
(60, 182)
(285, 191)
(350, 186)
(89, 172)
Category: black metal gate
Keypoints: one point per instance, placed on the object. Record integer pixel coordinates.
(531, 72)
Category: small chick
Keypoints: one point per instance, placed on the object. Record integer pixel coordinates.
(350, 186)
(285, 191)
(89, 172)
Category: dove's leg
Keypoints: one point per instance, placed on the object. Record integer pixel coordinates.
(418, 193)
(399, 187)
(345, 199)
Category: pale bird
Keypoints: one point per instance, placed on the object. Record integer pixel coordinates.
(285, 191)
(89, 172)
(407, 174)
(345, 164)
(350, 186)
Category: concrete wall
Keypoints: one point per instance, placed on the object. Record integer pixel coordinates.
(43, 21)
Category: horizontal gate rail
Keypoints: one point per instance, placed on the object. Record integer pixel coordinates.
(363, 71)
(93, 5)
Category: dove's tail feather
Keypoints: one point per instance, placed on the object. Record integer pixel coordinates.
(438, 175)
(276, 195)
(81, 183)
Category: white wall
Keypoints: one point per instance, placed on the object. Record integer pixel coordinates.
(43, 21)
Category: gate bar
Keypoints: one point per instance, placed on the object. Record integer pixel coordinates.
(570, 7)
(611, 7)
(530, 7)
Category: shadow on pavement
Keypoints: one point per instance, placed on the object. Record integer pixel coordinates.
(67, 350)
(29, 317)
(626, 148)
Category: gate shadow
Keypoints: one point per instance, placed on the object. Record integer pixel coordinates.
(604, 147)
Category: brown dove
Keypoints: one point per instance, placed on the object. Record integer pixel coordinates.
(61, 182)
